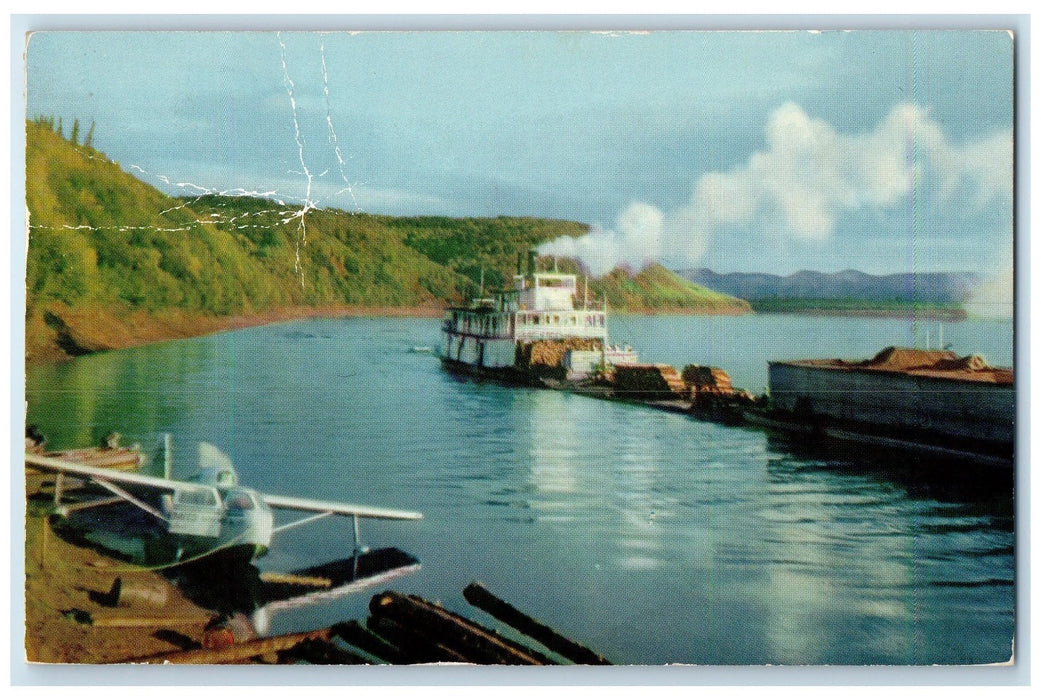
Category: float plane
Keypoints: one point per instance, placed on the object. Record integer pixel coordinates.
(207, 515)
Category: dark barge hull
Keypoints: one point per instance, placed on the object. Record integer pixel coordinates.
(984, 454)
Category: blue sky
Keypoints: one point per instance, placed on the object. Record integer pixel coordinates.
(740, 151)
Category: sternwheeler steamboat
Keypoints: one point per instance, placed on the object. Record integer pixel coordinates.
(509, 335)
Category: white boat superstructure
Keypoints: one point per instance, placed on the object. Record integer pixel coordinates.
(539, 306)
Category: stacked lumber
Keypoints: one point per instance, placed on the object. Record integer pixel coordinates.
(647, 382)
(701, 379)
(713, 396)
(546, 357)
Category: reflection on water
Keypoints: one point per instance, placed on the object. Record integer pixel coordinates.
(649, 536)
(552, 430)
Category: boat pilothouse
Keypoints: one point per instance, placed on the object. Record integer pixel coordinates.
(486, 335)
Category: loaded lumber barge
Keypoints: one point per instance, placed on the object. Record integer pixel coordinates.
(543, 332)
(926, 401)
(908, 398)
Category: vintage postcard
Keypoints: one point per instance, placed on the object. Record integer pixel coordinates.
(520, 348)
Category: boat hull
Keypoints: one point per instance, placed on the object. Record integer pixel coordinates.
(506, 375)
(817, 429)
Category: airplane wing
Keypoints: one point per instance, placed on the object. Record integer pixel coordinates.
(289, 503)
(82, 471)
(58, 466)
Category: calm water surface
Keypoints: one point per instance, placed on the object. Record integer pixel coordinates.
(651, 537)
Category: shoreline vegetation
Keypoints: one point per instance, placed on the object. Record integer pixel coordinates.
(63, 334)
(113, 262)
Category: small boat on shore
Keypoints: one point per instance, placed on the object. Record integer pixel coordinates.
(111, 455)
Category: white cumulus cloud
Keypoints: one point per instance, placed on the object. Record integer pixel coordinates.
(806, 177)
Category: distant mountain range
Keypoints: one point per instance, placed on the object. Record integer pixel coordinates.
(848, 286)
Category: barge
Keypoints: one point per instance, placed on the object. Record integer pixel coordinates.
(537, 329)
(927, 400)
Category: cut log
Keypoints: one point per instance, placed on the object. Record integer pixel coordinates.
(476, 643)
(480, 597)
(357, 636)
(417, 647)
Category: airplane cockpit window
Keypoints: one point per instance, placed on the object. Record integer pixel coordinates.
(196, 498)
(238, 500)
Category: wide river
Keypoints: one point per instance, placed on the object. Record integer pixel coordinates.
(650, 537)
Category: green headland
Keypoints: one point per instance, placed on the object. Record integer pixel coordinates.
(113, 262)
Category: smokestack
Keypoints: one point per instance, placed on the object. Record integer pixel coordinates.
(532, 257)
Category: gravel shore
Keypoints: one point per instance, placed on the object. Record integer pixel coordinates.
(70, 614)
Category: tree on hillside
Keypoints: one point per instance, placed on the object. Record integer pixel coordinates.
(89, 138)
(74, 135)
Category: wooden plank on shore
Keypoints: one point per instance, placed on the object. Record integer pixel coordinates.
(158, 621)
(480, 597)
(236, 653)
(296, 579)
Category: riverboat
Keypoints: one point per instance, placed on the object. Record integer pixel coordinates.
(494, 336)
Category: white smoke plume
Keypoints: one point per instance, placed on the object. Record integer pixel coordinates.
(805, 178)
(994, 298)
(636, 240)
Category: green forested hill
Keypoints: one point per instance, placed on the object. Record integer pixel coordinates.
(111, 255)
(99, 236)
